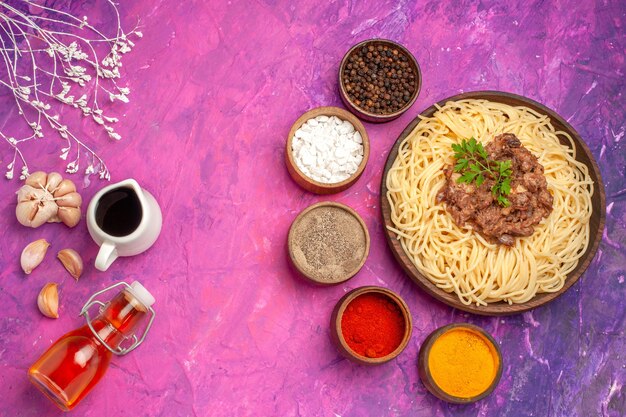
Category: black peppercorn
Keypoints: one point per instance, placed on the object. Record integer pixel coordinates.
(378, 78)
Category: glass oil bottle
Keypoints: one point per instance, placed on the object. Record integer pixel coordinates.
(76, 362)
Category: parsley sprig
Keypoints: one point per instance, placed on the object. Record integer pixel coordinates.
(474, 165)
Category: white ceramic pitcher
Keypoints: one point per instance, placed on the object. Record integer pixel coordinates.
(137, 241)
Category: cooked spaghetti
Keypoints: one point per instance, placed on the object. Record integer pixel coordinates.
(457, 259)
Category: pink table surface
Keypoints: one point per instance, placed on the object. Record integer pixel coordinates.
(215, 88)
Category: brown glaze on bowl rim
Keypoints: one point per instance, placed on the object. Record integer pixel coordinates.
(337, 334)
(310, 184)
(596, 223)
(375, 117)
(290, 242)
(424, 369)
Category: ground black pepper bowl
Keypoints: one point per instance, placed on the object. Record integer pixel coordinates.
(424, 367)
(324, 222)
(310, 184)
(336, 331)
(359, 110)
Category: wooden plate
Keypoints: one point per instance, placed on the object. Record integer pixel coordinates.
(596, 223)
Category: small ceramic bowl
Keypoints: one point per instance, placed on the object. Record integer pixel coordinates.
(295, 240)
(310, 184)
(378, 117)
(424, 369)
(337, 334)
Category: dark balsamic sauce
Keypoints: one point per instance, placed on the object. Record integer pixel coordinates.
(119, 212)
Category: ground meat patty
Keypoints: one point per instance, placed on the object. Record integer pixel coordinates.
(529, 197)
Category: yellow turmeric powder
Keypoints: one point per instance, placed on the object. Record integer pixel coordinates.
(463, 363)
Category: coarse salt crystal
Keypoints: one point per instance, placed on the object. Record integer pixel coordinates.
(341, 153)
(327, 149)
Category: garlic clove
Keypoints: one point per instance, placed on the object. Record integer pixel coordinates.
(26, 212)
(33, 254)
(34, 214)
(29, 193)
(37, 179)
(69, 200)
(54, 219)
(46, 210)
(34, 206)
(54, 179)
(65, 187)
(70, 216)
(72, 261)
(48, 300)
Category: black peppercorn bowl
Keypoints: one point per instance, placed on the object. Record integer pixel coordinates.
(400, 86)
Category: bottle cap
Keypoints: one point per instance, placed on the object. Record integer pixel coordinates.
(142, 294)
(139, 295)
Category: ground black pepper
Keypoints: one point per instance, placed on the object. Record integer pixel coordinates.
(379, 78)
(328, 243)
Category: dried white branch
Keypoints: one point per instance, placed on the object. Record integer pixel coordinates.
(54, 57)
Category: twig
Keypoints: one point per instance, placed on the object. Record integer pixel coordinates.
(54, 58)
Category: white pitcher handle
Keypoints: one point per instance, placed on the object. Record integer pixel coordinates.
(106, 256)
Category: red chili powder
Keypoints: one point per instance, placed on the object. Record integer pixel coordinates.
(373, 325)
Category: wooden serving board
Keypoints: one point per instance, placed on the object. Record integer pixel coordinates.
(583, 154)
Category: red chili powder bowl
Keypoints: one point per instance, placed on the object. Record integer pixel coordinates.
(371, 325)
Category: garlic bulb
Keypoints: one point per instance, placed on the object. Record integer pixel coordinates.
(48, 198)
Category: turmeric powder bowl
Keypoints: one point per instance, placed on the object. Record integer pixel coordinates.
(371, 325)
(460, 363)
